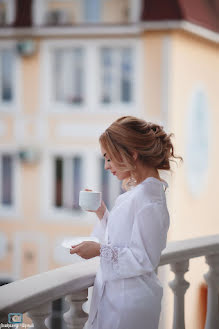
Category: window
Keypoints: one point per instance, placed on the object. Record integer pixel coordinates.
(92, 11)
(7, 60)
(68, 182)
(92, 75)
(69, 76)
(116, 75)
(6, 180)
(110, 186)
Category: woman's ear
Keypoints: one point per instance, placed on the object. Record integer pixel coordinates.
(135, 155)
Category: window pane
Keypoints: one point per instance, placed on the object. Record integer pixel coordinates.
(58, 182)
(7, 180)
(116, 75)
(58, 81)
(7, 61)
(77, 181)
(68, 71)
(78, 76)
(126, 75)
(107, 78)
(104, 184)
(92, 9)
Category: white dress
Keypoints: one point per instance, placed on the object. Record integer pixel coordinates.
(127, 293)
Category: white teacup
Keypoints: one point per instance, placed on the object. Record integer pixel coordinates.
(89, 200)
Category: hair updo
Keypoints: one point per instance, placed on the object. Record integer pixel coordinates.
(152, 144)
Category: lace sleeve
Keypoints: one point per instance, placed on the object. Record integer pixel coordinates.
(109, 253)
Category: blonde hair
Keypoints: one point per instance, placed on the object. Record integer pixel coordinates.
(152, 144)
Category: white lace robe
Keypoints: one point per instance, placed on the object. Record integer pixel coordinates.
(127, 293)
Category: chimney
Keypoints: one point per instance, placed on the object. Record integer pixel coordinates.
(23, 13)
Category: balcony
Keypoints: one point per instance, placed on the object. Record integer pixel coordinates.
(34, 295)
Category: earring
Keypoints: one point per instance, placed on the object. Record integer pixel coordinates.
(131, 182)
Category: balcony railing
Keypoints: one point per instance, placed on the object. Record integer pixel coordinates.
(35, 294)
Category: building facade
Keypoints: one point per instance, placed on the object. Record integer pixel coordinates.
(67, 70)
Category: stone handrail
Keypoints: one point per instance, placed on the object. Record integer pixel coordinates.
(36, 293)
(23, 295)
(185, 249)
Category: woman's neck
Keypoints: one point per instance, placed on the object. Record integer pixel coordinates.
(143, 172)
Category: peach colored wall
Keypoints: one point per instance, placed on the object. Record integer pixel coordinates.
(30, 191)
(94, 119)
(29, 259)
(152, 74)
(116, 11)
(9, 125)
(194, 61)
(30, 67)
(6, 262)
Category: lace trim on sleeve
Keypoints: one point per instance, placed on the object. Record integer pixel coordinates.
(109, 253)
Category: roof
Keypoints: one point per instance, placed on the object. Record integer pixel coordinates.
(200, 12)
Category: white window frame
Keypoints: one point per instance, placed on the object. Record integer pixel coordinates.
(117, 92)
(136, 8)
(10, 10)
(92, 103)
(15, 105)
(12, 212)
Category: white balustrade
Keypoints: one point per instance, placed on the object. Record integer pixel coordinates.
(35, 294)
(212, 279)
(75, 318)
(179, 286)
(39, 315)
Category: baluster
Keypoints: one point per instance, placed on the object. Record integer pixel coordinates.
(212, 279)
(39, 314)
(179, 286)
(75, 317)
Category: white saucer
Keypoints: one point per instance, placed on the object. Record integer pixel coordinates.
(67, 243)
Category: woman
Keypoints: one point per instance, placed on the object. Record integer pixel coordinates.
(127, 293)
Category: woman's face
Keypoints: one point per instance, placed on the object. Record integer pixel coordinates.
(109, 165)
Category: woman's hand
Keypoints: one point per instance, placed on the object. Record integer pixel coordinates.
(101, 210)
(86, 249)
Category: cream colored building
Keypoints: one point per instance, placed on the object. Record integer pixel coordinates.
(63, 80)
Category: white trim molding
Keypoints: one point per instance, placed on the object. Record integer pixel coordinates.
(114, 30)
(181, 25)
(10, 11)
